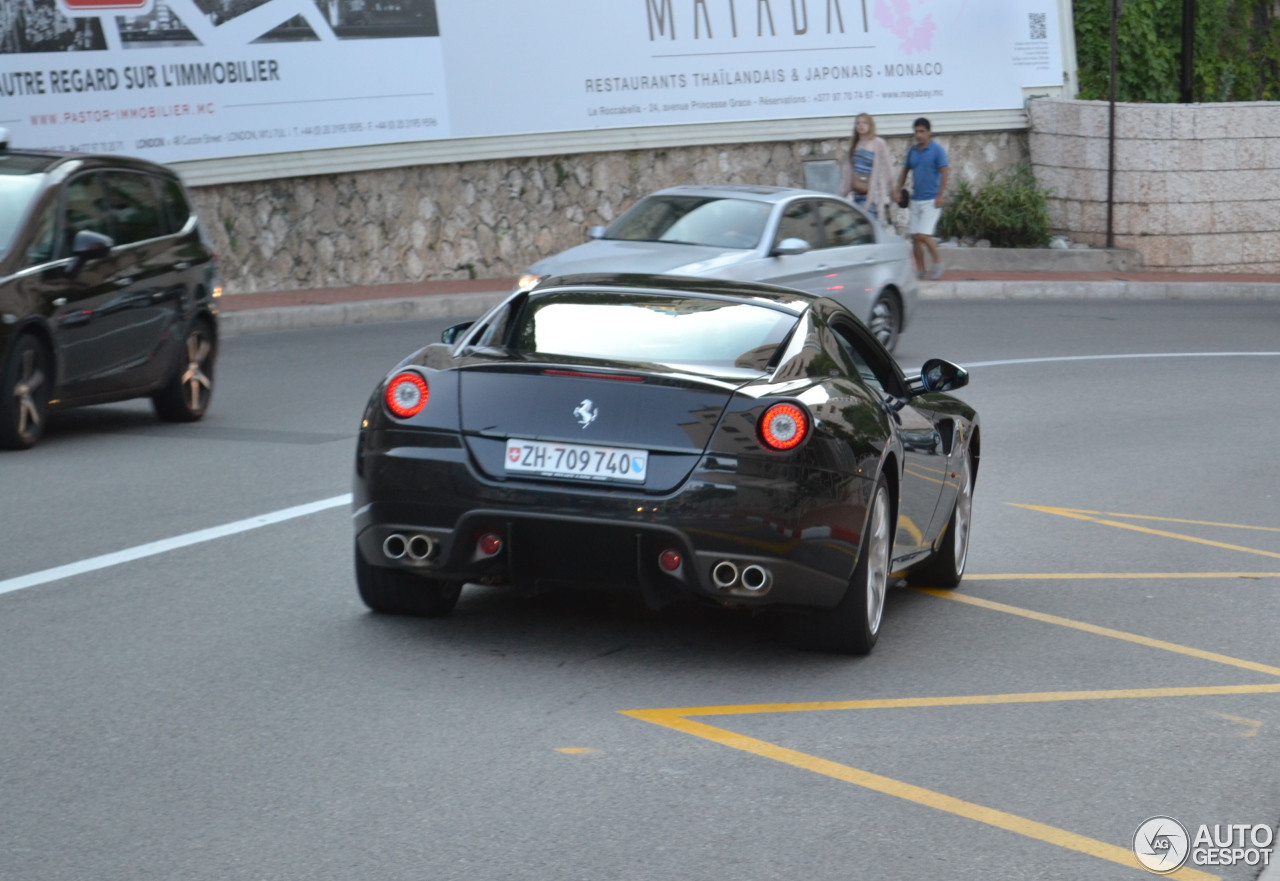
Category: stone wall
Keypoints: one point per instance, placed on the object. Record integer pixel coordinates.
(489, 219)
(1197, 186)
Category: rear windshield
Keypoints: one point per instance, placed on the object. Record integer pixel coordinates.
(690, 333)
(694, 220)
(16, 193)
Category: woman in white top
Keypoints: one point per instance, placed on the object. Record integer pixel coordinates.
(867, 173)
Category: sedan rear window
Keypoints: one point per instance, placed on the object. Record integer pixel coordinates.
(693, 333)
(694, 220)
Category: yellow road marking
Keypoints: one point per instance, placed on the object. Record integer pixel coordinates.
(917, 794)
(1252, 724)
(574, 750)
(1066, 512)
(1101, 631)
(1170, 519)
(1085, 576)
(969, 700)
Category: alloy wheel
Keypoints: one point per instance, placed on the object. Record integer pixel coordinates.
(878, 560)
(196, 385)
(884, 321)
(29, 391)
(964, 511)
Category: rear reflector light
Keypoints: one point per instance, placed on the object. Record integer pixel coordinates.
(669, 560)
(490, 543)
(593, 375)
(406, 394)
(783, 427)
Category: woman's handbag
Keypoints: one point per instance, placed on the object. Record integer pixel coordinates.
(861, 184)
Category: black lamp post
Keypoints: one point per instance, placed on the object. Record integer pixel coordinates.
(1188, 51)
(1117, 7)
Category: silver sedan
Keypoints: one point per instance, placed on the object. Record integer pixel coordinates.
(797, 238)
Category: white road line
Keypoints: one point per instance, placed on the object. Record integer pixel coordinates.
(1123, 357)
(150, 549)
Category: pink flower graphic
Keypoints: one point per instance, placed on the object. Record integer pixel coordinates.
(896, 17)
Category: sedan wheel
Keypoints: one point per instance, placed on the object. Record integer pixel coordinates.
(24, 393)
(886, 320)
(853, 626)
(946, 567)
(186, 397)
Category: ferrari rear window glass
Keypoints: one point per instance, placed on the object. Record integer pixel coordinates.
(694, 220)
(684, 332)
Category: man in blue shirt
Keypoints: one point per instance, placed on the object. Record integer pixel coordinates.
(929, 169)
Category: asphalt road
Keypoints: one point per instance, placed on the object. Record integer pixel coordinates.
(229, 710)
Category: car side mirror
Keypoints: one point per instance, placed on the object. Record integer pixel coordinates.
(86, 246)
(451, 334)
(790, 247)
(596, 232)
(938, 376)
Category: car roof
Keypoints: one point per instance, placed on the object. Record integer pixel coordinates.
(37, 161)
(750, 193)
(678, 285)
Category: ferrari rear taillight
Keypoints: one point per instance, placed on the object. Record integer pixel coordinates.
(783, 427)
(406, 394)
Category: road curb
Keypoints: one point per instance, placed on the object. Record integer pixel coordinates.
(470, 305)
(1117, 289)
(248, 321)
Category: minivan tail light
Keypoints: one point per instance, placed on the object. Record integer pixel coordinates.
(784, 427)
(406, 394)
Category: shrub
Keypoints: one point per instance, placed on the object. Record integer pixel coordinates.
(1009, 209)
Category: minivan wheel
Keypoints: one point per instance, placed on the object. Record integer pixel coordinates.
(186, 396)
(25, 384)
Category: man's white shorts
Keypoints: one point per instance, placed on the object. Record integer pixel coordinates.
(924, 217)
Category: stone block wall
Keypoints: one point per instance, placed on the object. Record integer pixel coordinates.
(492, 218)
(1197, 186)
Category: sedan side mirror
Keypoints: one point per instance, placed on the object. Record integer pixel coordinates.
(451, 334)
(790, 247)
(938, 376)
(86, 246)
(596, 232)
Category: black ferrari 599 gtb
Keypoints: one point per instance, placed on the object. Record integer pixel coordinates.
(682, 438)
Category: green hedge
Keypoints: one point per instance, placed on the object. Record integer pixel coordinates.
(1008, 209)
(1237, 50)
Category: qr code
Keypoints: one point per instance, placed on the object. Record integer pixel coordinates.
(1037, 25)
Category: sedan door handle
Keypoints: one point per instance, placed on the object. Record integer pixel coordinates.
(183, 265)
(869, 260)
(61, 301)
(123, 282)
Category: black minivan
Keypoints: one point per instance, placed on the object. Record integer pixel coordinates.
(108, 290)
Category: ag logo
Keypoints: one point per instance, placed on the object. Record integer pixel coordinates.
(586, 412)
(98, 7)
(1161, 845)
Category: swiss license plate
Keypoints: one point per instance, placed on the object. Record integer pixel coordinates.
(576, 460)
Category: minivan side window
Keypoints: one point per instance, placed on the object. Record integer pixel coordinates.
(44, 242)
(85, 210)
(177, 209)
(133, 206)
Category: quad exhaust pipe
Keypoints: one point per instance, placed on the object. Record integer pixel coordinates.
(418, 548)
(753, 578)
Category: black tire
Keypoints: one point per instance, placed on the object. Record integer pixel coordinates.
(394, 592)
(885, 321)
(945, 567)
(853, 626)
(26, 381)
(186, 396)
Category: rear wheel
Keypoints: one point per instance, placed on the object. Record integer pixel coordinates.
(25, 383)
(394, 592)
(852, 627)
(886, 320)
(946, 567)
(186, 396)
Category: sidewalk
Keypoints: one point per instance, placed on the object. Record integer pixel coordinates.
(368, 304)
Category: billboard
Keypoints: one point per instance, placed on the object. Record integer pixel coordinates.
(197, 79)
